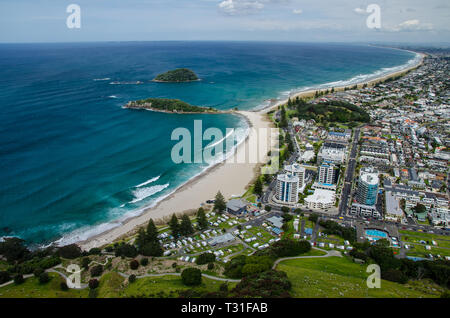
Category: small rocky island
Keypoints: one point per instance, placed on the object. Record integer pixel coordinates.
(177, 76)
(166, 105)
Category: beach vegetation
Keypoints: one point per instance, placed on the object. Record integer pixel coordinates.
(191, 276)
(202, 221)
(71, 251)
(152, 249)
(186, 227)
(174, 226)
(177, 75)
(219, 204)
(126, 250)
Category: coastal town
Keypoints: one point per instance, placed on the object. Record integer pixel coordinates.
(363, 174)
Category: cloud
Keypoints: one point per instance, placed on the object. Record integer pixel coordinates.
(297, 11)
(238, 7)
(411, 25)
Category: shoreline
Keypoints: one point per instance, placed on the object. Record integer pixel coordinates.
(231, 179)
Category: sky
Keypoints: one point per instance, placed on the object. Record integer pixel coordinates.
(411, 21)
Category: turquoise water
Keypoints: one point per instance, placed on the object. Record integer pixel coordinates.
(376, 234)
(74, 163)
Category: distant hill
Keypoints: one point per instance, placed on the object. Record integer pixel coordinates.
(178, 75)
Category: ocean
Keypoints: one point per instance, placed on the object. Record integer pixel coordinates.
(75, 163)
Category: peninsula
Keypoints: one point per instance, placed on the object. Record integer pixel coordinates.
(166, 105)
(177, 76)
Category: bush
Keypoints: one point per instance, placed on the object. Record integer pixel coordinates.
(96, 270)
(268, 284)
(210, 266)
(268, 208)
(4, 277)
(37, 272)
(44, 278)
(144, 261)
(250, 269)
(134, 264)
(126, 250)
(18, 279)
(288, 247)
(284, 209)
(85, 261)
(205, 258)
(394, 275)
(95, 251)
(70, 251)
(174, 265)
(93, 283)
(132, 278)
(64, 286)
(191, 276)
(92, 293)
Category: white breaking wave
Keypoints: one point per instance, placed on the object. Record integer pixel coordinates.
(102, 79)
(142, 193)
(148, 181)
(112, 96)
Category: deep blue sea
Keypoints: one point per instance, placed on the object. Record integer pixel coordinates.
(73, 162)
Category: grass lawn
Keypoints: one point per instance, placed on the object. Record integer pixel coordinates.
(416, 237)
(169, 285)
(31, 288)
(339, 277)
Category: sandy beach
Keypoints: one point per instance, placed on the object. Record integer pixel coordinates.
(231, 179)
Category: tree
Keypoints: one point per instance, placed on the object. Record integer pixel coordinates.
(258, 189)
(44, 278)
(13, 249)
(4, 277)
(126, 250)
(96, 270)
(70, 251)
(144, 261)
(152, 249)
(284, 209)
(186, 225)
(219, 204)
(141, 239)
(134, 264)
(152, 232)
(202, 221)
(174, 226)
(18, 279)
(93, 283)
(191, 276)
(268, 208)
(313, 217)
(420, 208)
(205, 258)
(132, 278)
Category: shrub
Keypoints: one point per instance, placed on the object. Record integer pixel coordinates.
(250, 269)
(191, 276)
(85, 261)
(63, 286)
(96, 270)
(284, 209)
(37, 272)
(95, 251)
(268, 284)
(394, 275)
(4, 277)
(210, 266)
(69, 251)
(126, 250)
(13, 249)
(268, 208)
(132, 278)
(144, 261)
(44, 278)
(93, 283)
(134, 264)
(18, 279)
(205, 258)
(174, 265)
(223, 287)
(288, 247)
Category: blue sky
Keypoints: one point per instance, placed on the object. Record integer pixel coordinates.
(275, 20)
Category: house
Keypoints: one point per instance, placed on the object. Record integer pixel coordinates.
(236, 206)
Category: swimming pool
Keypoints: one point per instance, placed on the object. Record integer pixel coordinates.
(376, 234)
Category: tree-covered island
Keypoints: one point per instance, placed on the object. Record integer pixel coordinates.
(169, 106)
(177, 76)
